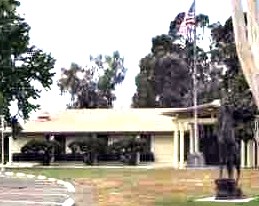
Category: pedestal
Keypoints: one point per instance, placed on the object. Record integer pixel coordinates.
(227, 189)
(195, 160)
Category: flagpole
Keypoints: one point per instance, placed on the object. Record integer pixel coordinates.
(196, 147)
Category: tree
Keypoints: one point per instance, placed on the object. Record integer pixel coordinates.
(246, 32)
(165, 78)
(93, 86)
(20, 64)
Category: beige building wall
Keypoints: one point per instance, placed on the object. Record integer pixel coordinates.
(163, 147)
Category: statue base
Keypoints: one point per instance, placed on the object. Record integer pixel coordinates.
(227, 189)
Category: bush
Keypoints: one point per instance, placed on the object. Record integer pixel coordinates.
(39, 146)
(91, 148)
(130, 144)
(42, 147)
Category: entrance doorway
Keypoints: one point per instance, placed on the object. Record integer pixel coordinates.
(61, 139)
(209, 144)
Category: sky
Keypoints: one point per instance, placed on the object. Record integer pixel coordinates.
(72, 30)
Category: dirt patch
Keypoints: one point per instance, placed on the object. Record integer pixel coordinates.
(144, 188)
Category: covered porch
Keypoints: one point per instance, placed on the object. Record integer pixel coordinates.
(170, 132)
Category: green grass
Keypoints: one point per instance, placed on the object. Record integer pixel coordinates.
(137, 185)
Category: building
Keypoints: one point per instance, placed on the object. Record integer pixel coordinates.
(170, 131)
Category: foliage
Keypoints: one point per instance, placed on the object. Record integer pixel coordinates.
(40, 145)
(166, 74)
(95, 88)
(164, 78)
(21, 65)
(129, 144)
(90, 144)
(234, 89)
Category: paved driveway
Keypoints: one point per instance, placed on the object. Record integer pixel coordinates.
(29, 190)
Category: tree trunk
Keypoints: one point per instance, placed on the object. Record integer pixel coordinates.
(247, 43)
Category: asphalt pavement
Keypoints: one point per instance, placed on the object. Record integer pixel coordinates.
(22, 189)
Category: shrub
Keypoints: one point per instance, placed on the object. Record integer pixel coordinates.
(40, 145)
(91, 147)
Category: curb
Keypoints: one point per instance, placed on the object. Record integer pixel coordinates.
(70, 187)
(69, 202)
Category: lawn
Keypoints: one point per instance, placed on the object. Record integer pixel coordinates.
(133, 187)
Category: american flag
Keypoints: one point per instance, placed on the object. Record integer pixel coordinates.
(187, 27)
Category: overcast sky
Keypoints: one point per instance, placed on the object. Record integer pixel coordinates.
(71, 30)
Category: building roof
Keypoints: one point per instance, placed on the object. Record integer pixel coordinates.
(107, 120)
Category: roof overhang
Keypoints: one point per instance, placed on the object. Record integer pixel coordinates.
(204, 110)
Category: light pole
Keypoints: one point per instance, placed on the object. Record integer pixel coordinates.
(2, 140)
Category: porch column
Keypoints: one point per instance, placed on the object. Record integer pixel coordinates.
(181, 147)
(248, 153)
(10, 159)
(196, 139)
(253, 154)
(191, 151)
(242, 155)
(176, 146)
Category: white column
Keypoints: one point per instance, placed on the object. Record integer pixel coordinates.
(253, 154)
(191, 149)
(176, 146)
(248, 153)
(242, 154)
(10, 150)
(196, 141)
